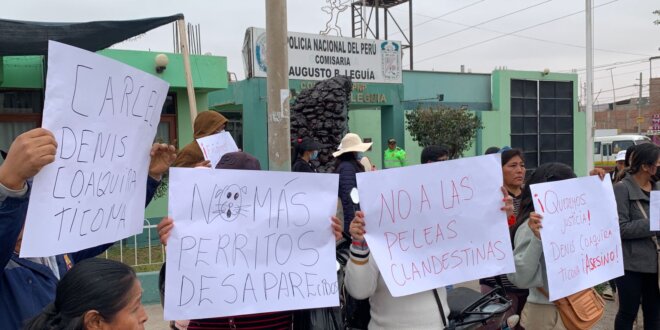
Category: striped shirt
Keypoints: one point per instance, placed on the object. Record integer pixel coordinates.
(491, 281)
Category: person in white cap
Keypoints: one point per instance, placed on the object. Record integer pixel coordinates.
(348, 165)
(620, 165)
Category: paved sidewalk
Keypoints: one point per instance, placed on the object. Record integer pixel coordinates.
(156, 321)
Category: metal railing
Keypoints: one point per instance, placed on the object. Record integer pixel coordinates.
(147, 255)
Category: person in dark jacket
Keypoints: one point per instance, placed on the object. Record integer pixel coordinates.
(640, 261)
(348, 166)
(307, 150)
(27, 285)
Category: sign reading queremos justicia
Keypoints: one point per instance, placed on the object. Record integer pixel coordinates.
(318, 57)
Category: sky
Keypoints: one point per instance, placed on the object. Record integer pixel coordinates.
(480, 34)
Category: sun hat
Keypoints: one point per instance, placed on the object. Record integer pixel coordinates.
(351, 143)
(621, 155)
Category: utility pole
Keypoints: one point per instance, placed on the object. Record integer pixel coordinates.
(613, 97)
(639, 106)
(590, 87)
(277, 81)
(183, 47)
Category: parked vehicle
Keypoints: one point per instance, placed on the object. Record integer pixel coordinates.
(606, 148)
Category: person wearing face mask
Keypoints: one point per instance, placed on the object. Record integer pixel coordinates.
(308, 150)
(639, 243)
(206, 123)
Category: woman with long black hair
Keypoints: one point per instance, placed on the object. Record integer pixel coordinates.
(95, 294)
(639, 244)
(538, 313)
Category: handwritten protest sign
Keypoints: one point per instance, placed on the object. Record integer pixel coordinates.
(249, 242)
(580, 236)
(436, 224)
(216, 145)
(655, 210)
(104, 116)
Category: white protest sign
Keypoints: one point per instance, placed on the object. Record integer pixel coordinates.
(216, 145)
(249, 242)
(436, 224)
(580, 235)
(655, 210)
(104, 115)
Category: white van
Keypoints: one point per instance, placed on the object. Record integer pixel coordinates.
(606, 147)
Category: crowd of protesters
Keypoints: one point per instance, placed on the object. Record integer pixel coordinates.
(78, 291)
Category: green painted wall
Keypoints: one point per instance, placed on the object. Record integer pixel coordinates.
(366, 123)
(208, 72)
(498, 127)
(22, 72)
(472, 89)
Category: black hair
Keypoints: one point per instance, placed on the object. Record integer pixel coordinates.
(645, 154)
(432, 153)
(93, 284)
(545, 173)
(348, 157)
(629, 153)
(492, 150)
(508, 154)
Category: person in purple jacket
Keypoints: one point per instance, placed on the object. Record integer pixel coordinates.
(27, 285)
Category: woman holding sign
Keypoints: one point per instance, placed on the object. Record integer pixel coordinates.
(363, 281)
(538, 313)
(639, 243)
(513, 174)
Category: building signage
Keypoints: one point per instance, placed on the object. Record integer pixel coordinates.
(318, 57)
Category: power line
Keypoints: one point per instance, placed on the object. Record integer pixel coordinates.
(606, 67)
(508, 34)
(482, 23)
(624, 73)
(439, 17)
(536, 39)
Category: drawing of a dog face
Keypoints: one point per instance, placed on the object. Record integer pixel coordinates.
(228, 202)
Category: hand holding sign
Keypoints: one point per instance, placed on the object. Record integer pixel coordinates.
(356, 229)
(421, 223)
(245, 242)
(581, 240)
(104, 116)
(535, 224)
(162, 156)
(28, 153)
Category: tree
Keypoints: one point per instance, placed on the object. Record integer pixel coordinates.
(452, 128)
(657, 21)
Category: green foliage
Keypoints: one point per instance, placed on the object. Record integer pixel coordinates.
(452, 128)
(657, 21)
